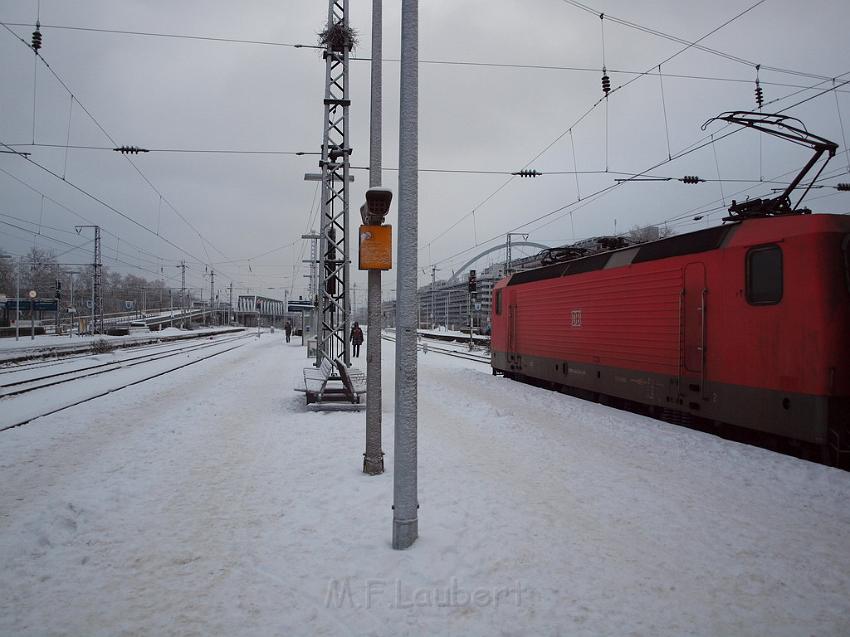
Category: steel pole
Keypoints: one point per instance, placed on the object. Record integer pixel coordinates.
(93, 286)
(17, 302)
(71, 325)
(58, 284)
(405, 500)
(469, 315)
(373, 459)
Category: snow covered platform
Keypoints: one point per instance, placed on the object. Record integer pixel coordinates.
(213, 501)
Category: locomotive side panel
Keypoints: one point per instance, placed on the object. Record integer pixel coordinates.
(626, 318)
(751, 333)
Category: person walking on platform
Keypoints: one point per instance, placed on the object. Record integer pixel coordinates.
(287, 327)
(356, 339)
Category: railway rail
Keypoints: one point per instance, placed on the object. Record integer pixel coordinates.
(19, 388)
(7, 368)
(103, 368)
(41, 353)
(446, 351)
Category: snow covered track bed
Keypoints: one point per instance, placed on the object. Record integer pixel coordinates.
(212, 501)
(64, 348)
(456, 350)
(95, 376)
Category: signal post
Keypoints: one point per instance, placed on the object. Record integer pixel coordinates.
(375, 253)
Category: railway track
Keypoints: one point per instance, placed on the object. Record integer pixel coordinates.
(17, 388)
(45, 355)
(446, 351)
(13, 367)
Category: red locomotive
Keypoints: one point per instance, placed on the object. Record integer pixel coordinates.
(744, 324)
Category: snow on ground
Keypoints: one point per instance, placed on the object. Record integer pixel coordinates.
(213, 501)
(10, 348)
(103, 373)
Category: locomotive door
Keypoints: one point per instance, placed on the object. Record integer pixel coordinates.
(694, 309)
(512, 330)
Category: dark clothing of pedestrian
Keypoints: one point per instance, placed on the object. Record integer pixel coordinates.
(288, 329)
(356, 339)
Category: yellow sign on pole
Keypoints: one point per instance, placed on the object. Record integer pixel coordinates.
(376, 247)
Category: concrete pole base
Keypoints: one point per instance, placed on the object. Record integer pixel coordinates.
(373, 465)
(405, 533)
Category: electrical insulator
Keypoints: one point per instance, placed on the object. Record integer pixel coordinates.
(527, 173)
(759, 95)
(690, 179)
(130, 150)
(36, 38)
(843, 187)
(606, 82)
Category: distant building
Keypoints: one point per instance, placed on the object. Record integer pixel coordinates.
(447, 303)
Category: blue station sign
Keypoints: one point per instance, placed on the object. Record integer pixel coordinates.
(38, 305)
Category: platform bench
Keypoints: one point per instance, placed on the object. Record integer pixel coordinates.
(318, 379)
(353, 379)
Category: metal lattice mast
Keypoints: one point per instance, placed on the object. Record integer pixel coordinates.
(334, 318)
(508, 257)
(314, 270)
(182, 267)
(212, 294)
(97, 311)
(96, 323)
(313, 262)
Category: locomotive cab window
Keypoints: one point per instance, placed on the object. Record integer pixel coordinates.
(764, 275)
(498, 301)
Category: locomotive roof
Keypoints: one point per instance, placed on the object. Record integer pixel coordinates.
(750, 231)
(676, 246)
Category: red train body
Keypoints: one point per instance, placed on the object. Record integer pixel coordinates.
(744, 324)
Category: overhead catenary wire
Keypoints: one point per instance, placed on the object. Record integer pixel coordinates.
(606, 163)
(581, 118)
(702, 143)
(575, 164)
(694, 147)
(75, 247)
(694, 44)
(72, 233)
(717, 166)
(172, 150)
(664, 110)
(97, 123)
(577, 172)
(841, 124)
(68, 136)
(204, 241)
(697, 146)
(110, 207)
(440, 62)
(69, 209)
(717, 206)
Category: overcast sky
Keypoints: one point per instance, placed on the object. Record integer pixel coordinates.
(188, 94)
